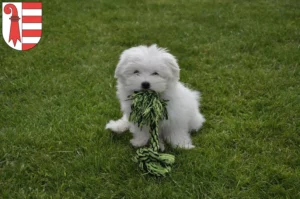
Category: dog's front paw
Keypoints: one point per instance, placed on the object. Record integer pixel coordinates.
(138, 142)
(118, 126)
(161, 146)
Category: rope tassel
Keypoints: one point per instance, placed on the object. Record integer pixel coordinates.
(148, 109)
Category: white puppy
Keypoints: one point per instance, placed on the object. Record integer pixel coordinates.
(154, 68)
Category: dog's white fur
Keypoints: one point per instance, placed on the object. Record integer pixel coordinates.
(160, 69)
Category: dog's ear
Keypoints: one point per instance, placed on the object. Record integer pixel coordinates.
(122, 61)
(171, 62)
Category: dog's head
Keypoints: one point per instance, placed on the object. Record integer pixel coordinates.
(145, 67)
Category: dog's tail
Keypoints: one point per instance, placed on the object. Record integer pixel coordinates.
(118, 126)
(196, 122)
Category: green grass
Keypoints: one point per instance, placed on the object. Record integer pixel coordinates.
(56, 99)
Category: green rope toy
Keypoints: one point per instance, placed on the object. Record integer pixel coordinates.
(148, 109)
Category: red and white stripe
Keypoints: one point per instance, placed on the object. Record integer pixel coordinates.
(31, 24)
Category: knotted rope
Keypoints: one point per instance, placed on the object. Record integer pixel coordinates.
(148, 109)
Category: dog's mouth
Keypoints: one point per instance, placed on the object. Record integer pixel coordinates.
(136, 91)
(143, 89)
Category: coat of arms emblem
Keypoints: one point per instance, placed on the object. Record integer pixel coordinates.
(22, 24)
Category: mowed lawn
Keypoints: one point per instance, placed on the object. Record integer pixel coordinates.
(244, 57)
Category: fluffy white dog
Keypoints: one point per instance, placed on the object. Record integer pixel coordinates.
(154, 68)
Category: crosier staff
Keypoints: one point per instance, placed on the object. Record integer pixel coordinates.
(14, 34)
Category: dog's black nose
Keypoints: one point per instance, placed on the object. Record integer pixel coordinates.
(145, 85)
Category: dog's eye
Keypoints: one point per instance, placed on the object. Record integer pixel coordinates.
(155, 73)
(136, 72)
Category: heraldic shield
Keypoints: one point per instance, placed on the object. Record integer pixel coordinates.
(22, 24)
